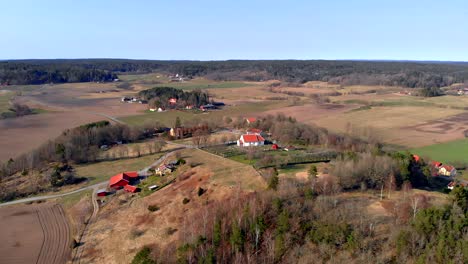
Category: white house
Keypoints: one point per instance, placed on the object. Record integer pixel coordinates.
(249, 140)
(448, 171)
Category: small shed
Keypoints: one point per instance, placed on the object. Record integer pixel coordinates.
(101, 192)
(130, 188)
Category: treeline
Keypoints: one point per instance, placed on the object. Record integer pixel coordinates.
(16, 72)
(159, 97)
(288, 131)
(78, 145)
(389, 73)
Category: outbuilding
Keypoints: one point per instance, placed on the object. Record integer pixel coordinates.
(101, 192)
(130, 188)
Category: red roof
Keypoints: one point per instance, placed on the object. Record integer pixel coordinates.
(251, 119)
(118, 178)
(416, 158)
(130, 188)
(252, 138)
(436, 163)
(448, 168)
(172, 100)
(131, 174)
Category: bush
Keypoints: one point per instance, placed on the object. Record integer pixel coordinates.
(201, 191)
(143, 257)
(153, 208)
(185, 200)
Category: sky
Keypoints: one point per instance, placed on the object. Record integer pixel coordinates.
(240, 29)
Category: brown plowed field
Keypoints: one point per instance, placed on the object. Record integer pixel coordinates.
(34, 234)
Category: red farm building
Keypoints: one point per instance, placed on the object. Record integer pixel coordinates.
(122, 179)
(130, 188)
(101, 192)
(274, 146)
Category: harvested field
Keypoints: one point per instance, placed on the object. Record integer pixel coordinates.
(66, 110)
(396, 125)
(35, 234)
(312, 112)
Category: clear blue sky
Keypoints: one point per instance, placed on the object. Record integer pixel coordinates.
(237, 29)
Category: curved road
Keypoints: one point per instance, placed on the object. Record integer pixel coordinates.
(143, 172)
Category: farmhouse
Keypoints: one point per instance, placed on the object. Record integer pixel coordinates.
(164, 169)
(247, 140)
(448, 171)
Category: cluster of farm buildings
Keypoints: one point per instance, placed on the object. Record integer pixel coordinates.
(127, 181)
(173, 102)
(440, 169)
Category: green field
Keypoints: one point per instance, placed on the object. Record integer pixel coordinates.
(161, 80)
(454, 151)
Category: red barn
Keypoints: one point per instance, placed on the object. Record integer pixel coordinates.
(131, 174)
(118, 181)
(130, 188)
(275, 146)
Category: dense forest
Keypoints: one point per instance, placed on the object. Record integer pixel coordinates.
(393, 73)
(14, 73)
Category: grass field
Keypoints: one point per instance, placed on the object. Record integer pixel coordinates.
(453, 151)
(70, 200)
(102, 171)
(5, 101)
(225, 171)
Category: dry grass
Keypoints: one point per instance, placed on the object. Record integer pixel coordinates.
(117, 220)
